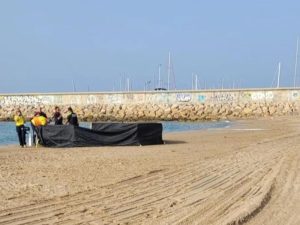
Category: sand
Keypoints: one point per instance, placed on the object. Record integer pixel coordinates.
(246, 174)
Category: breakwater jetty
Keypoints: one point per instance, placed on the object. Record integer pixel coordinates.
(159, 105)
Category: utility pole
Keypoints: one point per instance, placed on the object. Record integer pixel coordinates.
(296, 63)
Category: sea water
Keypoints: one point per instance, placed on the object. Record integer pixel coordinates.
(8, 134)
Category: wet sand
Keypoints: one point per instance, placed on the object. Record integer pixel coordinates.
(246, 174)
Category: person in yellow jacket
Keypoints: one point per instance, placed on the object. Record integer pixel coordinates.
(20, 121)
(37, 121)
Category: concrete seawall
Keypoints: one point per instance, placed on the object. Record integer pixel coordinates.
(172, 105)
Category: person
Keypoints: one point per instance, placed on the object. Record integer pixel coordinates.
(39, 120)
(72, 118)
(36, 121)
(40, 113)
(57, 117)
(20, 128)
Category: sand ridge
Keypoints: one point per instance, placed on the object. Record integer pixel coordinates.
(247, 174)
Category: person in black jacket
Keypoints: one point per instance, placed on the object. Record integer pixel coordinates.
(40, 113)
(72, 118)
(57, 117)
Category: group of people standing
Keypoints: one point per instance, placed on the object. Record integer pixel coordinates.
(40, 119)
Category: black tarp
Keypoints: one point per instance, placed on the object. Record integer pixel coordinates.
(130, 133)
(101, 134)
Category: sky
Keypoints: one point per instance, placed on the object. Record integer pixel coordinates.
(96, 45)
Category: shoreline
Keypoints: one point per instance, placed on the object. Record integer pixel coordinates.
(164, 131)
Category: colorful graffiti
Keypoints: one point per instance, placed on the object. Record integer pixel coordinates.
(246, 95)
(201, 98)
(152, 97)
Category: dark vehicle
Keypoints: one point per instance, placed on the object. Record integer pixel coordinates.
(160, 89)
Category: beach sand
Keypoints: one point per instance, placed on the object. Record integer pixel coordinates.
(246, 174)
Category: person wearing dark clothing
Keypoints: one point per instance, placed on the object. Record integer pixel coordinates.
(40, 113)
(37, 120)
(72, 118)
(57, 117)
(20, 121)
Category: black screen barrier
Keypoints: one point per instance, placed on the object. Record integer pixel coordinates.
(101, 134)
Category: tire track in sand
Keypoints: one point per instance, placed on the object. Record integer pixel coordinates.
(225, 190)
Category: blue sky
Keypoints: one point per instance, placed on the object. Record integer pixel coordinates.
(44, 45)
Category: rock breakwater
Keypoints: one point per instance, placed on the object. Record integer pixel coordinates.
(164, 112)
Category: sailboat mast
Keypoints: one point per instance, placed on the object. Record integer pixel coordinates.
(159, 78)
(128, 84)
(278, 76)
(296, 63)
(74, 87)
(193, 81)
(169, 70)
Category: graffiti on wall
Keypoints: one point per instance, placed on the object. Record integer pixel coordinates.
(75, 100)
(161, 97)
(29, 100)
(155, 97)
(183, 97)
(259, 96)
(114, 99)
(223, 97)
(128, 97)
(139, 98)
(47, 99)
(294, 95)
(201, 98)
(269, 95)
(246, 96)
(91, 99)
